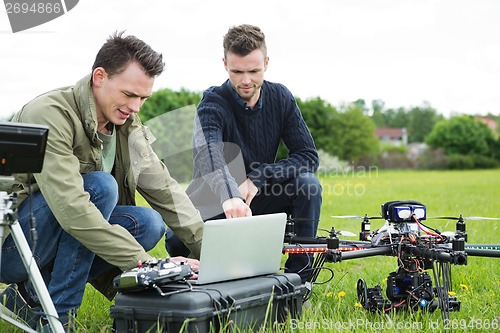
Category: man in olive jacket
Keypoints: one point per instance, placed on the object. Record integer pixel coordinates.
(98, 155)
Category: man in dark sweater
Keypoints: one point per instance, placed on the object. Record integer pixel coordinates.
(237, 133)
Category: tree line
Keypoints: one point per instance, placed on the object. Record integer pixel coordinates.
(347, 131)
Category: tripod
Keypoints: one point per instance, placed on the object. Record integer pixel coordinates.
(9, 220)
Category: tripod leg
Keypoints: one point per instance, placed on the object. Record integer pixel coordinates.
(36, 277)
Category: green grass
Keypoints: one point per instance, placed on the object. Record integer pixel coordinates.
(471, 193)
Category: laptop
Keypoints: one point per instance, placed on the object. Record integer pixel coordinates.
(241, 247)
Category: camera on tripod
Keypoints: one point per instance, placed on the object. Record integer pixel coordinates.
(22, 148)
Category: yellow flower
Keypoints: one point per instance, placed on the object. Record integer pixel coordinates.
(358, 305)
(329, 294)
(464, 286)
(341, 294)
(451, 293)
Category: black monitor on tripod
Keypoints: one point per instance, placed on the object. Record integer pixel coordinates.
(22, 148)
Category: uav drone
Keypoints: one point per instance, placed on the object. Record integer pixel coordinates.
(418, 248)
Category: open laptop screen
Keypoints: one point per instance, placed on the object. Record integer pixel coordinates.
(241, 247)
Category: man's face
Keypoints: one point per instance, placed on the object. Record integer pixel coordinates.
(120, 95)
(247, 74)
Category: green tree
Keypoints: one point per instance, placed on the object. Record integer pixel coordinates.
(361, 103)
(355, 134)
(396, 118)
(421, 121)
(170, 116)
(166, 100)
(461, 135)
(320, 119)
(378, 109)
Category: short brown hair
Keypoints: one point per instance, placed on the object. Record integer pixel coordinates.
(119, 51)
(243, 39)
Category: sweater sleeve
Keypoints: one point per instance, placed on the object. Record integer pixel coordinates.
(209, 147)
(302, 153)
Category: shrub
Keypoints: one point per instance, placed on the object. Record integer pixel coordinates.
(461, 162)
(330, 164)
(432, 159)
(484, 162)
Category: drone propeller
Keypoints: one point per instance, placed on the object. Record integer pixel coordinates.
(346, 233)
(341, 232)
(357, 217)
(464, 218)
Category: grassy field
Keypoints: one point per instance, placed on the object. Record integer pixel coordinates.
(333, 304)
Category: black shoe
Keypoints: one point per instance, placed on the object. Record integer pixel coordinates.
(66, 320)
(12, 299)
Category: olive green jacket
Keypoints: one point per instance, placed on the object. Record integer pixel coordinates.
(73, 148)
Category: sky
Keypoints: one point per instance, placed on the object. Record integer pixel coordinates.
(404, 52)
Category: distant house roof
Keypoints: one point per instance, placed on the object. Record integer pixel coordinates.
(395, 136)
(392, 133)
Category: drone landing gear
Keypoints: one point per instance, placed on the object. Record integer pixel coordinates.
(371, 298)
(404, 291)
(408, 291)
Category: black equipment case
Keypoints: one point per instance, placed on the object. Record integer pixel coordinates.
(245, 304)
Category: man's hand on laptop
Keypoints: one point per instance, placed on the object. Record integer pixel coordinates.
(240, 207)
(236, 207)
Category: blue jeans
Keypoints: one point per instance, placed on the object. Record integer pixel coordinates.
(66, 265)
(301, 197)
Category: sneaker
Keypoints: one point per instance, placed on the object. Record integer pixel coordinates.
(12, 299)
(67, 320)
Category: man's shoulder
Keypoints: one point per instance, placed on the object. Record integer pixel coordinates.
(214, 95)
(215, 90)
(46, 104)
(56, 106)
(276, 87)
(212, 90)
(64, 96)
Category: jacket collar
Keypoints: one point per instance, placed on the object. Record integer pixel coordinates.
(86, 108)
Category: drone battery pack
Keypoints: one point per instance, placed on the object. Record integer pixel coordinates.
(244, 304)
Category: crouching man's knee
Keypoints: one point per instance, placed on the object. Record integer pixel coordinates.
(309, 185)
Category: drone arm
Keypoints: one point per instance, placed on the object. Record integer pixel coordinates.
(453, 257)
(371, 252)
(306, 240)
(482, 253)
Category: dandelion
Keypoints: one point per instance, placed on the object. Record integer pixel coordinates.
(329, 294)
(451, 293)
(358, 305)
(464, 286)
(341, 294)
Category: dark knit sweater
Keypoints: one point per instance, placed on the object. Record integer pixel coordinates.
(225, 123)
